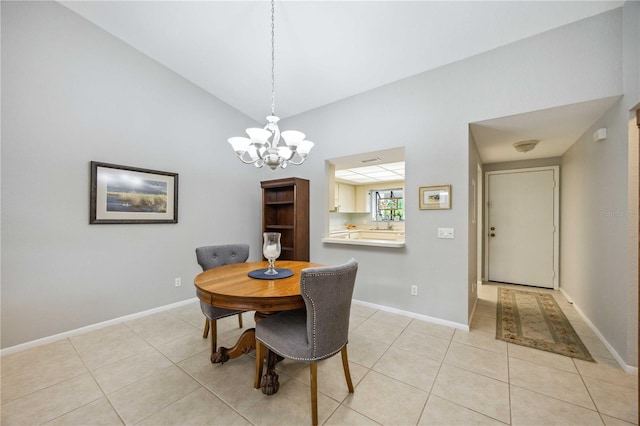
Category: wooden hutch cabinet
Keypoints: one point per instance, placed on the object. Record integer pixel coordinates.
(285, 209)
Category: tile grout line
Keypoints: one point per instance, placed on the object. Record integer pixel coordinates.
(369, 369)
(203, 385)
(104, 394)
(422, 409)
(435, 378)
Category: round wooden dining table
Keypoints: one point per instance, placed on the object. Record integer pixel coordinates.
(231, 287)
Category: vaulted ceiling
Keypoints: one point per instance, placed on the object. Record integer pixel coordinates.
(325, 51)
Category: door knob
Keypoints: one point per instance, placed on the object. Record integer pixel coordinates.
(493, 228)
(493, 235)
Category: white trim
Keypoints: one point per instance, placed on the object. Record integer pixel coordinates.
(480, 223)
(61, 336)
(627, 368)
(473, 310)
(556, 217)
(427, 318)
(92, 327)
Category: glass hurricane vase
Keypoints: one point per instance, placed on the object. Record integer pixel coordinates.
(271, 250)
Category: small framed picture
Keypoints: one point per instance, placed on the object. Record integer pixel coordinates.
(435, 197)
(122, 194)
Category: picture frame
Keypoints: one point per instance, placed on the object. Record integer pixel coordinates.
(132, 195)
(436, 197)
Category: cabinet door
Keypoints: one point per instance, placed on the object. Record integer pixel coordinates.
(346, 197)
(361, 199)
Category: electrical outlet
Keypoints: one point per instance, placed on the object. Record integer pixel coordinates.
(178, 282)
(414, 290)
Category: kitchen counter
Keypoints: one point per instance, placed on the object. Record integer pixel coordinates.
(368, 237)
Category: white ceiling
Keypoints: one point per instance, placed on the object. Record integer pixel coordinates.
(556, 129)
(388, 172)
(369, 167)
(325, 50)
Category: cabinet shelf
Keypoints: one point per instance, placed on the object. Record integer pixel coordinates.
(278, 203)
(285, 209)
(279, 227)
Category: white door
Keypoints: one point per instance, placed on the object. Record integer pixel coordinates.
(522, 241)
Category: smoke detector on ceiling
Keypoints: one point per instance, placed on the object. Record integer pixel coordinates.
(525, 146)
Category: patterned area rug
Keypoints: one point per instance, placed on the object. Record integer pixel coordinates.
(535, 320)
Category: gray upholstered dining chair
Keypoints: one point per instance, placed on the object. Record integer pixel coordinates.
(210, 257)
(317, 332)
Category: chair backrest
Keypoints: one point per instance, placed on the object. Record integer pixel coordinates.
(327, 293)
(210, 257)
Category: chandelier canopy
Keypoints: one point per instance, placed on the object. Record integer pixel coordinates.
(264, 146)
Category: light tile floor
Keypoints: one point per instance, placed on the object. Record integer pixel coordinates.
(156, 371)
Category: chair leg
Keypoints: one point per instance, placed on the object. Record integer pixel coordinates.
(240, 320)
(345, 365)
(205, 334)
(260, 355)
(314, 393)
(214, 336)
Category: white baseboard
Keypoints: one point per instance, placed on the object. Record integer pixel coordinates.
(97, 326)
(627, 368)
(57, 337)
(427, 318)
(473, 310)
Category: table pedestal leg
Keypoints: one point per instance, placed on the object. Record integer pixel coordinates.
(270, 382)
(245, 344)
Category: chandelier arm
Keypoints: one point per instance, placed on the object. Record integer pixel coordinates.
(251, 160)
(248, 161)
(297, 163)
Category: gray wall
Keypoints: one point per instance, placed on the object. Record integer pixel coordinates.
(429, 114)
(594, 268)
(631, 72)
(474, 241)
(71, 94)
(599, 233)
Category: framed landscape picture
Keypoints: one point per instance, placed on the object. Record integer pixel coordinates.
(435, 197)
(122, 194)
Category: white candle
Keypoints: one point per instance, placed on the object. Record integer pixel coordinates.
(271, 252)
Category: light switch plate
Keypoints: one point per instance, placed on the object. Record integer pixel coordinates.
(445, 233)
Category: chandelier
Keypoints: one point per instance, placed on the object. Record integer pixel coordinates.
(264, 146)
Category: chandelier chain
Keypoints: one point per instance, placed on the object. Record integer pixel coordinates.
(273, 59)
(264, 146)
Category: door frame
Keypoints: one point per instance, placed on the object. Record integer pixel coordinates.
(556, 217)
